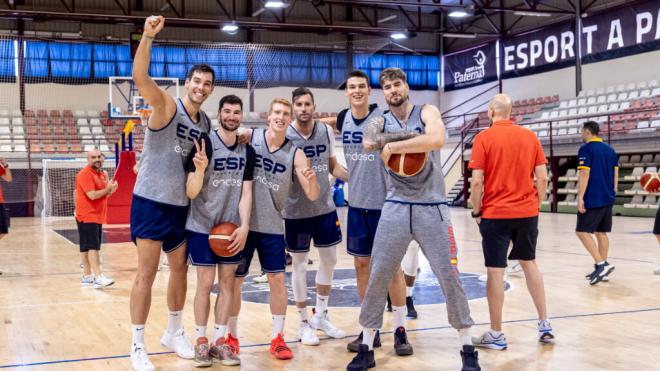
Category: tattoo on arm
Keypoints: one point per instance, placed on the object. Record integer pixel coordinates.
(378, 138)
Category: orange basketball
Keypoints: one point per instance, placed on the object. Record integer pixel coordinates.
(219, 238)
(406, 164)
(650, 182)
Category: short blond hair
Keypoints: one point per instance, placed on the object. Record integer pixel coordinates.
(280, 101)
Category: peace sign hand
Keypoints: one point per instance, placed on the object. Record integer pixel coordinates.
(200, 160)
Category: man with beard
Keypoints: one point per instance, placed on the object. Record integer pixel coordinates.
(367, 194)
(279, 164)
(306, 220)
(91, 198)
(160, 204)
(220, 187)
(415, 208)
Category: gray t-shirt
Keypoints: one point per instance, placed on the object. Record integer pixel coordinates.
(428, 186)
(366, 172)
(317, 149)
(220, 195)
(161, 177)
(273, 178)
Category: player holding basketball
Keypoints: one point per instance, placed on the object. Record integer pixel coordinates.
(305, 220)
(160, 204)
(415, 208)
(367, 184)
(279, 162)
(220, 188)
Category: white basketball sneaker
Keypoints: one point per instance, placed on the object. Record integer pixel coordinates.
(179, 343)
(307, 335)
(87, 280)
(514, 267)
(321, 321)
(140, 359)
(102, 281)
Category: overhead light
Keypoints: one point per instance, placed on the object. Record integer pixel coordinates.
(532, 14)
(460, 35)
(275, 4)
(459, 13)
(230, 28)
(258, 11)
(387, 19)
(398, 36)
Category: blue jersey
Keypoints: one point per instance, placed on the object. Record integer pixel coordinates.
(601, 161)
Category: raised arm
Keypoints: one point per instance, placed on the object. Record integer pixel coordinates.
(306, 176)
(7, 174)
(162, 104)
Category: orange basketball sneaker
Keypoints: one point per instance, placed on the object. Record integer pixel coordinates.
(279, 349)
(233, 343)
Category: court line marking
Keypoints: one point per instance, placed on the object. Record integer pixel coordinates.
(569, 316)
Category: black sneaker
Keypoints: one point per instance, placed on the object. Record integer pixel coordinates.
(401, 345)
(601, 273)
(363, 361)
(289, 259)
(470, 358)
(412, 313)
(590, 275)
(354, 345)
(389, 303)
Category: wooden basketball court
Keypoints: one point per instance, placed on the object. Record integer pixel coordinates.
(50, 322)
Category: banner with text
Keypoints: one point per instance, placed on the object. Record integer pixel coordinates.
(471, 67)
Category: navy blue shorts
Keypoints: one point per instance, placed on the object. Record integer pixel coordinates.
(270, 248)
(200, 253)
(324, 229)
(159, 222)
(361, 227)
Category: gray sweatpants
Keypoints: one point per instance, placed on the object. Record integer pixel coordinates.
(430, 225)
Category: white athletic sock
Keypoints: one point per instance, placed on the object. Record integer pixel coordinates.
(278, 325)
(495, 333)
(321, 304)
(601, 263)
(174, 321)
(200, 332)
(464, 336)
(138, 334)
(368, 335)
(409, 290)
(303, 314)
(232, 326)
(399, 316)
(219, 331)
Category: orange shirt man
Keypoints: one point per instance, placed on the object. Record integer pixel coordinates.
(91, 196)
(505, 159)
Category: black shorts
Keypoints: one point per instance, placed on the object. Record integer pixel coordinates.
(90, 235)
(656, 227)
(4, 220)
(598, 219)
(497, 234)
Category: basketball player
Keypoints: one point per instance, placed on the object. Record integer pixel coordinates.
(278, 163)
(5, 173)
(91, 209)
(220, 188)
(367, 183)
(160, 204)
(415, 208)
(305, 220)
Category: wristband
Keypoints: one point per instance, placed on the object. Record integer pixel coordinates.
(149, 37)
(477, 215)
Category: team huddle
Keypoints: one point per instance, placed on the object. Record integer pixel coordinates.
(274, 185)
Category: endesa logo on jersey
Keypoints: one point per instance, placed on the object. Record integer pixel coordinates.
(315, 151)
(352, 137)
(269, 165)
(229, 163)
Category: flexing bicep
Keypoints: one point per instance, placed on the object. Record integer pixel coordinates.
(435, 128)
(376, 137)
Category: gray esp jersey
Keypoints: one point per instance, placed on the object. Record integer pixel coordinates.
(161, 175)
(428, 186)
(366, 172)
(220, 195)
(316, 148)
(273, 178)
